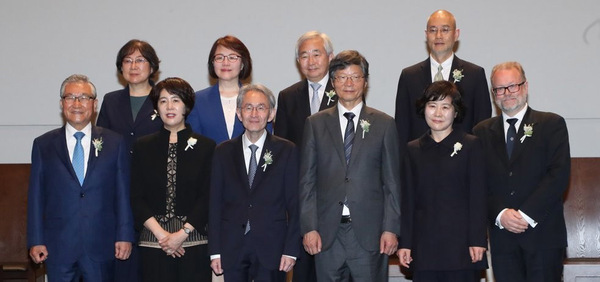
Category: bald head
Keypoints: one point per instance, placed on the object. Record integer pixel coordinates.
(442, 14)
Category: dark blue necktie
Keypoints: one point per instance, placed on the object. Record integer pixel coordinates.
(78, 157)
(349, 136)
(511, 135)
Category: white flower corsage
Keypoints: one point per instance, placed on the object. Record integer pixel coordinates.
(97, 145)
(330, 94)
(268, 158)
(528, 128)
(154, 115)
(457, 75)
(457, 147)
(190, 143)
(364, 124)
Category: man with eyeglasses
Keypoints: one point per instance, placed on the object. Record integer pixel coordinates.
(314, 93)
(441, 35)
(253, 216)
(79, 217)
(349, 181)
(528, 167)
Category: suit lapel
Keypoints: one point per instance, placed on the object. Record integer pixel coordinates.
(240, 163)
(365, 114)
(125, 106)
(92, 159)
(520, 146)
(217, 112)
(426, 72)
(332, 123)
(325, 103)
(499, 139)
(260, 170)
(145, 112)
(63, 152)
(302, 100)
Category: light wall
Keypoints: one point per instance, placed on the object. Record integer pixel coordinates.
(43, 42)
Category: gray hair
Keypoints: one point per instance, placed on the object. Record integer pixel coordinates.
(258, 88)
(315, 34)
(77, 78)
(508, 66)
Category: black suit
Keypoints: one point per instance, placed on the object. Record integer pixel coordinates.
(533, 181)
(293, 107)
(415, 79)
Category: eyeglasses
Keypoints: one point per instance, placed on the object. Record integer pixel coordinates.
(138, 61)
(344, 78)
(219, 58)
(499, 91)
(260, 108)
(434, 30)
(83, 99)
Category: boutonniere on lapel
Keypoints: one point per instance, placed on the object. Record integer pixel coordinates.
(97, 145)
(364, 124)
(528, 128)
(457, 75)
(330, 94)
(190, 143)
(268, 158)
(457, 147)
(154, 115)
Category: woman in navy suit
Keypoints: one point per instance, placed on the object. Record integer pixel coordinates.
(443, 235)
(129, 111)
(214, 115)
(170, 174)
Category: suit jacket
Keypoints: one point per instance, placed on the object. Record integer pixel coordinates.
(370, 181)
(444, 202)
(533, 180)
(293, 107)
(415, 79)
(115, 114)
(149, 177)
(69, 218)
(271, 204)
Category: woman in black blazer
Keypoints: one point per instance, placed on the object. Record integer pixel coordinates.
(169, 190)
(443, 235)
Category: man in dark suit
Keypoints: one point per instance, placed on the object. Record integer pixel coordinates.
(441, 34)
(349, 185)
(79, 216)
(253, 215)
(528, 168)
(314, 51)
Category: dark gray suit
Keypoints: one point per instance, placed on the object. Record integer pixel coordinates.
(370, 181)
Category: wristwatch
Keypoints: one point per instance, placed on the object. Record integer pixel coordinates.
(186, 230)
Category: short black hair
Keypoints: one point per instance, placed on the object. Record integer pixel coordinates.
(439, 90)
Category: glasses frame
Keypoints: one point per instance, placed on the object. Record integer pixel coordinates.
(344, 78)
(83, 99)
(232, 58)
(505, 89)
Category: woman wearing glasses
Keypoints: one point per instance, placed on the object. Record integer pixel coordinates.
(170, 174)
(214, 115)
(444, 193)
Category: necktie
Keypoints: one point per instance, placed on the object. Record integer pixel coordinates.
(78, 157)
(314, 102)
(252, 165)
(348, 136)
(438, 76)
(511, 134)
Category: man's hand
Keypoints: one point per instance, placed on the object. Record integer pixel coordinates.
(405, 258)
(122, 250)
(476, 253)
(286, 264)
(215, 264)
(312, 242)
(388, 243)
(38, 253)
(512, 221)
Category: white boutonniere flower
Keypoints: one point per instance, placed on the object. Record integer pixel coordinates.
(268, 158)
(330, 94)
(190, 143)
(528, 128)
(97, 145)
(364, 124)
(457, 75)
(154, 115)
(457, 147)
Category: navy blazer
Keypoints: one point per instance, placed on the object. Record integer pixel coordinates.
(444, 202)
(115, 114)
(271, 204)
(293, 107)
(70, 218)
(415, 79)
(533, 180)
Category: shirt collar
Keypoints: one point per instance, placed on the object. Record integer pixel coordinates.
(446, 65)
(70, 130)
(260, 142)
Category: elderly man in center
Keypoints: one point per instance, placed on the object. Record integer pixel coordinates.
(349, 185)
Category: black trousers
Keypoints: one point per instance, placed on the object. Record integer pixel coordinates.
(193, 266)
